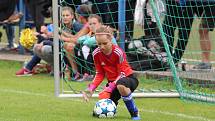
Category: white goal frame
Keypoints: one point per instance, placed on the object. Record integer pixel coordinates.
(57, 78)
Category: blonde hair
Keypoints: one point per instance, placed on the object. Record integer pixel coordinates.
(105, 30)
(95, 16)
(68, 9)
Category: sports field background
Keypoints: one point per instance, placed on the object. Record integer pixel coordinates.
(32, 99)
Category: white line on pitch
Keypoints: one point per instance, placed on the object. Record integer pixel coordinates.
(24, 92)
(141, 110)
(178, 115)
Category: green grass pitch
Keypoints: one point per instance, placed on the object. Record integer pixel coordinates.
(32, 99)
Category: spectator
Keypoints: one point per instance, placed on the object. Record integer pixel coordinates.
(10, 32)
(27, 70)
(44, 50)
(150, 25)
(82, 13)
(35, 8)
(95, 21)
(8, 17)
(87, 43)
(179, 16)
(84, 46)
(110, 62)
(207, 24)
(108, 9)
(145, 17)
(69, 24)
(10, 29)
(7, 8)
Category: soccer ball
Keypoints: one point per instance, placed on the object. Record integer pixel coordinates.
(104, 108)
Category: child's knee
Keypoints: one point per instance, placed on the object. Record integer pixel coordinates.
(47, 50)
(123, 90)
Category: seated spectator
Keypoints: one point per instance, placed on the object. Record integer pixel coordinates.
(28, 69)
(86, 45)
(70, 25)
(44, 49)
(89, 40)
(82, 13)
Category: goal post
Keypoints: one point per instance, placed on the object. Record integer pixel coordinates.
(173, 75)
(57, 78)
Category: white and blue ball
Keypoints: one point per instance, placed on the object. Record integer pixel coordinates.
(104, 108)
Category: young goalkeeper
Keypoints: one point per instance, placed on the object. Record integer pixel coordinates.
(110, 62)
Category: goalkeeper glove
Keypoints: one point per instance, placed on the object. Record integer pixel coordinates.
(106, 93)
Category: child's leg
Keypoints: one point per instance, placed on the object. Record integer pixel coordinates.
(129, 102)
(126, 86)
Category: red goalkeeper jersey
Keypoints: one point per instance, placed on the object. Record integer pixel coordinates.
(113, 66)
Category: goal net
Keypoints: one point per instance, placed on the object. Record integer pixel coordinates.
(164, 41)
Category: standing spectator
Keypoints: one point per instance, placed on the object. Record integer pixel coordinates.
(144, 16)
(35, 8)
(150, 25)
(8, 17)
(7, 8)
(207, 24)
(108, 9)
(179, 16)
(7, 14)
(110, 62)
(10, 31)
